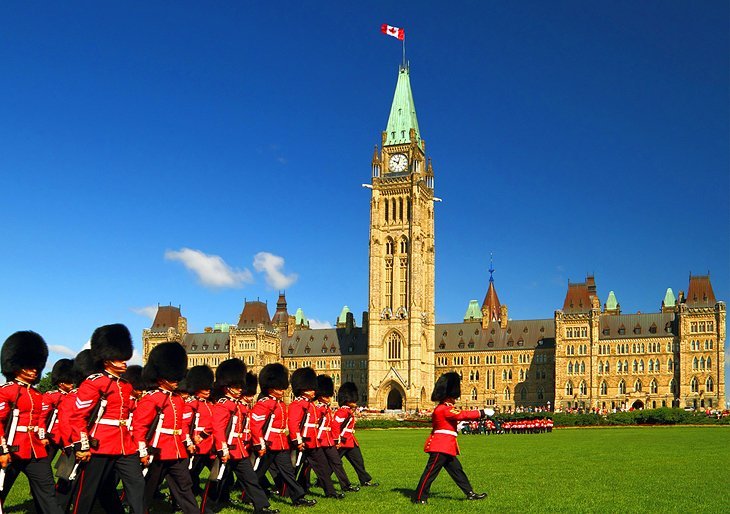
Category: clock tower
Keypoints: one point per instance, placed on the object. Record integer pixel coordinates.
(401, 289)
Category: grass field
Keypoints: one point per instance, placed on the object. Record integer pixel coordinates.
(665, 469)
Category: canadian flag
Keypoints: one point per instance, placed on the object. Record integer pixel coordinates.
(393, 31)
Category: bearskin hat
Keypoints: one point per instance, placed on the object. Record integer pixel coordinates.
(85, 365)
(303, 379)
(63, 371)
(133, 375)
(325, 386)
(274, 376)
(166, 361)
(23, 350)
(199, 378)
(448, 385)
(347, 393)
(111, 343)
(230, 373)
(252, 383)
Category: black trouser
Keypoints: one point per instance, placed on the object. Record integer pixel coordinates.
(178, 480)
(314, 458)
(354, 455)
(335, 462)
(436, 461)
(99, 470)
(40, 478)
(281, 463)
(243, 470)
(199, 462)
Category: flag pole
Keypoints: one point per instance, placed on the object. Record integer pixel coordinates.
(404, 50)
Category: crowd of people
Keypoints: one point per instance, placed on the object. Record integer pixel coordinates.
(109, 423)
(522, 426)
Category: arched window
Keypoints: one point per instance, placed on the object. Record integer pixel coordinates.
(656, 366)
(523, 394)
(641, 366)
(570, 368)
(702, 363)
(509, 375)
(474, 394)
(694, 385)
(504, 374)
(709, 362)
(622, 387)
(569, 388)
(394, 344)
(619, 367)
(476, 375)
(709, 385)
(635, 366)
(651, 365)
(600, 366)
(507, 394)
(540, 393)
(583, 388)
(522, 375)
(637, 386)
(670, 365)
(604, 388)
(695, 363)
(404, 245)
(626, 365)
(673, 386)
(653, 387)
(606, 369)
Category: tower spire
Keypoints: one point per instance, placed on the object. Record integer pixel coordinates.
(402, 112)
(491, 267)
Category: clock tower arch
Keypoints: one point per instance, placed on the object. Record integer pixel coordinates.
(402, 260)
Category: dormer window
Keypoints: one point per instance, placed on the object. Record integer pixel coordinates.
(637, 329)
(622, 330)
(442, 345)
(490, 344)
(652, 328)
(606, 331)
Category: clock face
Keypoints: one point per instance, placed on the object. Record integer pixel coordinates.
(398, 162)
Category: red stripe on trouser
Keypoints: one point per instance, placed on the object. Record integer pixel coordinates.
(420, 491)
(78, 495)
(204, 500)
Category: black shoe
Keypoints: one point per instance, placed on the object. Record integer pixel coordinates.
(419, 502)
(337, 496)
(351, 488)
(266, 510)
(476, 496)
(304, 502)
(370, 484)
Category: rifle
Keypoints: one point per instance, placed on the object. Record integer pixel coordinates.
(321, 426)
(343, 426)
(91, 427)
(269, 421)
(9, 441)
(229, 443)
(160, 418)
(52, 422)
(304, 427)
(193, 427)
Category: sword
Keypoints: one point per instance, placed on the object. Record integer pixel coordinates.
(9, 442)
(194, 426)
(304, 438)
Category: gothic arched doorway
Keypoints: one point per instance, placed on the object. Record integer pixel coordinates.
(637, 405)
(395, 400)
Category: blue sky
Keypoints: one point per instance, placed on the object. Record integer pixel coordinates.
(142, 139)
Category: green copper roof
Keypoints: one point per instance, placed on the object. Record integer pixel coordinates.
(473, 311)
(342, 318)
(611, 303)
(222, 327)
(669, 299)
(402, 113)
(300, 318)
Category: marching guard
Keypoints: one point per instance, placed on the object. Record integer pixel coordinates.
(62, 378)
(441, 445)
(161, 427)
(198, 384)
(269, 432)
(22, 437)
(99, 431)
(229, 420)
(303, 433)
(349, 447)
(326, 431)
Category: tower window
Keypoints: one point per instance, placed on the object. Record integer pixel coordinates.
(394, 344)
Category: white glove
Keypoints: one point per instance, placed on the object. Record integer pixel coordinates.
(488, 413)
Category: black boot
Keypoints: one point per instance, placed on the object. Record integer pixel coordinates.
(476, 496)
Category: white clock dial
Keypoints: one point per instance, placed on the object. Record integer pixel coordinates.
(398, 162)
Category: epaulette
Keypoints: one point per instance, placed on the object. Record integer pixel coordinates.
(147, 393)
(95, 376)
(222, 400)
(7, 384)
(264, 398)
(189, 399)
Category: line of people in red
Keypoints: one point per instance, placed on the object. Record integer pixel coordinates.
(141, 426)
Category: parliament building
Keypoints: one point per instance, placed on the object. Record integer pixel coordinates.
(588, 355)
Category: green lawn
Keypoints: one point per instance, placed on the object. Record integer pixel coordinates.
(667, 469)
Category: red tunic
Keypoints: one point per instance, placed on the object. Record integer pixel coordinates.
(112, 432)
(30, 404)
(173, 438)
(201, 416)
(266, 408)
(223, 412)
(51, 401)
(63, 427)
(345, 427)
(325, 437)
(303, 429)
(444, 419)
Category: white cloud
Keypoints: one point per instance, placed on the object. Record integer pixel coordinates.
(212, 270)
(148, 312)
(272, 265)
(314, 323)
(87, 345)
(63, 350)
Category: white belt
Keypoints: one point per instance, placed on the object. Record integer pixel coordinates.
(277, 430)
(113, 422)
(446, 432)
(311, 425)
(26, 429)
(326, 429)
(171, 431)
(348, 430)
